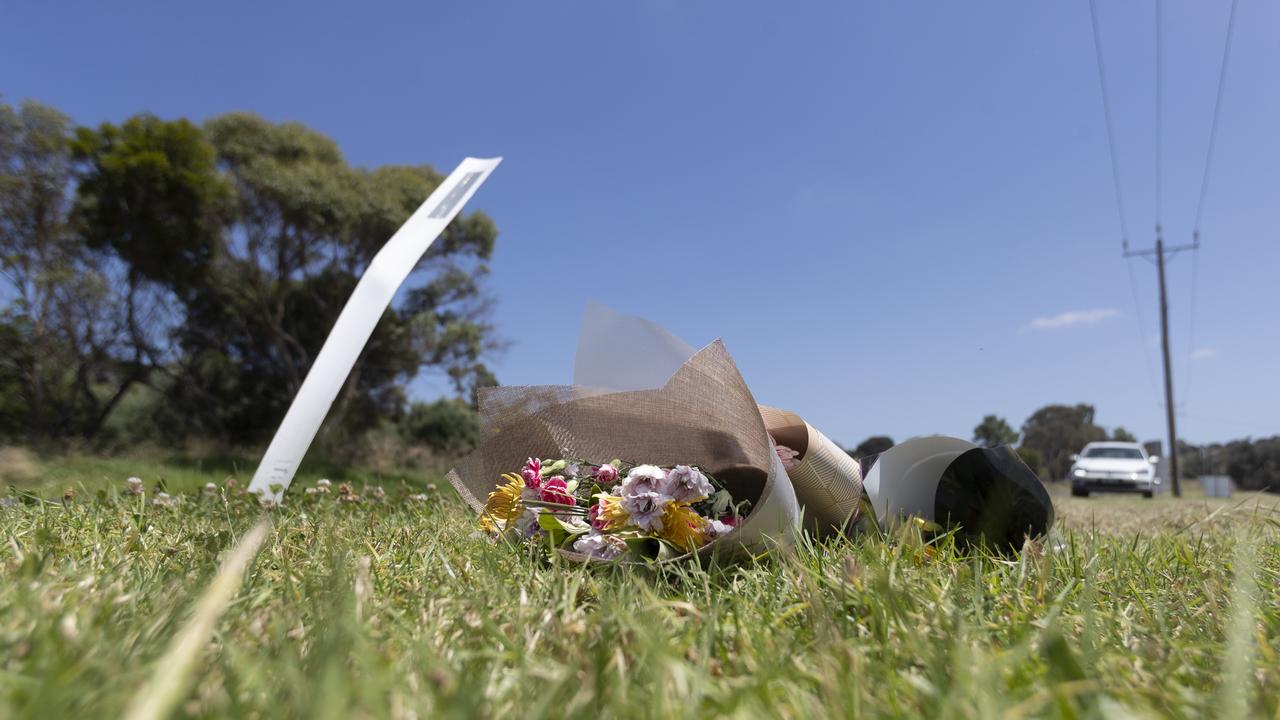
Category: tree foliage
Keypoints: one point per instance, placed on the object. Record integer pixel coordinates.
(209, 263)
(67, 359)
(1057, 432)
(1032, 459)
(448, 425)
(873, 445)
(1122, 435)
(994, 431)
(1254, 464)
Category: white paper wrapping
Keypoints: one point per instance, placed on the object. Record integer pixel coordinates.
(903, 482)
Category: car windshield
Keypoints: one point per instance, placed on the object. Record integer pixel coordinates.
(1115, 453)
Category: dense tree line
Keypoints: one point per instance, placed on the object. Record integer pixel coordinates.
(161, 279)
(1052, 434)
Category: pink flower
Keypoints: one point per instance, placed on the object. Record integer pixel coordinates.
(606, 475)
(787, 456)
(555, 490)
(593, 514)
(532, 473)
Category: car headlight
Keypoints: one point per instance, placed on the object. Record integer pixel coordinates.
(1078, 472)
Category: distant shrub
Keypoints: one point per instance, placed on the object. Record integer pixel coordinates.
(448, 426)
(1032, 458)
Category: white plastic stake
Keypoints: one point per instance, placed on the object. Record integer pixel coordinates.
(388, 270)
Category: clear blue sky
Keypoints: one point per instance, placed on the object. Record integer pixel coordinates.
(872, 203)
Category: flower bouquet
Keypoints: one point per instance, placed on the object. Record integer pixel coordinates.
(709, 480)
(611, 510)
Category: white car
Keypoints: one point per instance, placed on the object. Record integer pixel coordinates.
(1113, 467)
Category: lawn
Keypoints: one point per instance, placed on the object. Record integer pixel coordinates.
(398, 607)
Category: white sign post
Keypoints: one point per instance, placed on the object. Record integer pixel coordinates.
(388, 270)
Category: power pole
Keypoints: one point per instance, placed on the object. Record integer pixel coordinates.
(1171, 452)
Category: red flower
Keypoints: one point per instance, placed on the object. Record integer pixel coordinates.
(554, 490)
(532, 473)
(593, 515)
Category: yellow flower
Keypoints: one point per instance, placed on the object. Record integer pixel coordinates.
(612, 516)
(683, 527)
(503, 504)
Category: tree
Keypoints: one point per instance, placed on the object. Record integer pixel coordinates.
(1058, 431)
(1252, 464)
(151, 202)
(1122, 435)
(259, 233)
(994, 431)
(62, 362)
(873, 445)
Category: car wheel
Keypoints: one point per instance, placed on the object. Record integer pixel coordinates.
(1079, 492)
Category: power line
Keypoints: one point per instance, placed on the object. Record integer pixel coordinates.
(1224, 421)
(1115, 179)
(1213, 128)
(1191, 325)
(1204, 192)
(1111, 134)
(1159, 114)
(1142, 331)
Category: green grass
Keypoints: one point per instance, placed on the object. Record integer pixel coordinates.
(401, 609)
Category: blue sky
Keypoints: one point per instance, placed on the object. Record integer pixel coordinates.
(899, 216)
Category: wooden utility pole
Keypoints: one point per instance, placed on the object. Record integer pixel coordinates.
(1162, 254)
(1172, 453)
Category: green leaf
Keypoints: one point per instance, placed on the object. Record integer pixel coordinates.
(720, 502)
(550, 522)
(643, 548)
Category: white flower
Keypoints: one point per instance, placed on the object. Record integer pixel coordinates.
(163, 499)
(322, 485)
(575, 523)
(645, 509)
(685, 484)
(605, 547)
(133, 486)
(210, 489)
(643, 479)
(716, 529)
(377, 494)
(419, 497)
